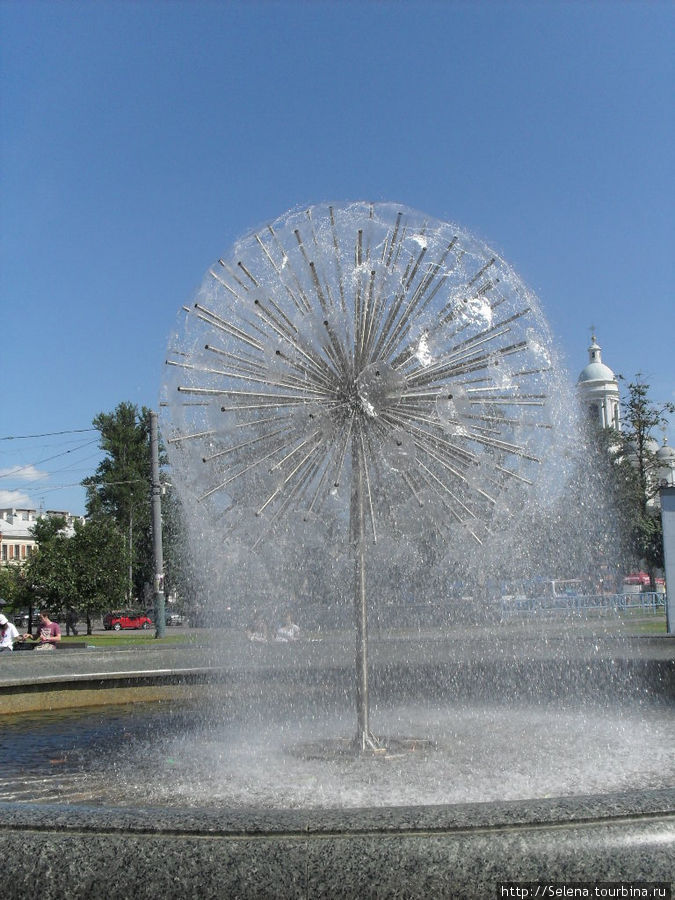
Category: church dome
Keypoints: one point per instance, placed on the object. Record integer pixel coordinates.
(665, 458)
(596, 371)
(650, 445)
(666, 455)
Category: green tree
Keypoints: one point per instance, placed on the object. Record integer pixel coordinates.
(86, 571)
(635, 466)
(8, 584)
(619, 485)
(119, 490)
(99, 565)
(48, 573)
(13, 588)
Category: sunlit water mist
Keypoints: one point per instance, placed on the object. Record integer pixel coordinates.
(559, 751)
(168, 755)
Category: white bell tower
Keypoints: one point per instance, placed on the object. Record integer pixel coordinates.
(599, 390)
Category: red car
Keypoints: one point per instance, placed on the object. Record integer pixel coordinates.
(116, 621)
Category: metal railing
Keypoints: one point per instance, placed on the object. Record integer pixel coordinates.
(647, 602)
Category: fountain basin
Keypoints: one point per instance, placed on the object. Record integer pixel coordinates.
(128, 842)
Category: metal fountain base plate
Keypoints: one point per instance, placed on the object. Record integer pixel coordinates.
(384, 748)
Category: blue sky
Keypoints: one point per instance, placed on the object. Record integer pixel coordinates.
(139, 140)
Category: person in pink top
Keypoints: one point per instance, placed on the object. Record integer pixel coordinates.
(48, 633)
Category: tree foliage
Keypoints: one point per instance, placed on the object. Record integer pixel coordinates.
(86, 571)
(641, 417)
(48, 572)
(120, 488)
(632, 455)
(99, 564)
(13, 588)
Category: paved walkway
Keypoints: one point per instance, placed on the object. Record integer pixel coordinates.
(228, 650)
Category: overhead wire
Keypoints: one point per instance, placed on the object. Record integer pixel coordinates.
(15, 470)
(58, 487)
(23, 437)
(14, 477)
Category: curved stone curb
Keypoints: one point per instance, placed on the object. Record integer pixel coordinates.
(413, 852)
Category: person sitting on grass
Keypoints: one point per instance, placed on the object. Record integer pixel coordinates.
(289, 631)
(8, 633)
(257, 631)
(49, 633)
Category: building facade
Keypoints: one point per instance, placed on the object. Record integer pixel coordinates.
(17, 542)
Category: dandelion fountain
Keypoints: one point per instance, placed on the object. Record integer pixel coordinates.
(366, 365)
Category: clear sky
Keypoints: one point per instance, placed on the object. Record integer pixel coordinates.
(139, 140)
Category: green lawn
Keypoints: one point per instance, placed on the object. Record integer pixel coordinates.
(628, 622)
(638, 623)
(128, 639)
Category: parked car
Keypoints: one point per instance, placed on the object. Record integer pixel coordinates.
(116, 621)
(171, 618)
(637, 578)
(21, 620)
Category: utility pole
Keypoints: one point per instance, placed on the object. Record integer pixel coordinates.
(157, 556)
(130, 587)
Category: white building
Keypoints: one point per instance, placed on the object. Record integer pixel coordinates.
(665, 458)
(16, 540)
(599, 390)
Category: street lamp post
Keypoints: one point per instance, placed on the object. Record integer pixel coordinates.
(157, 556)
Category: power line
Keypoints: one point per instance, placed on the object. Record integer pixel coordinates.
(104, 483)
(23, 437)
(59, 487)
(76, 466)
(14, 470)
(79, 465)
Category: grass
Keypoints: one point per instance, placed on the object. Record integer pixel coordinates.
(653, 624)
(128, 639)
(634, 622)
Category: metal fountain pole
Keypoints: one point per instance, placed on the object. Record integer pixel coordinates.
(364, 739)
(360, 611)
(157, 556)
